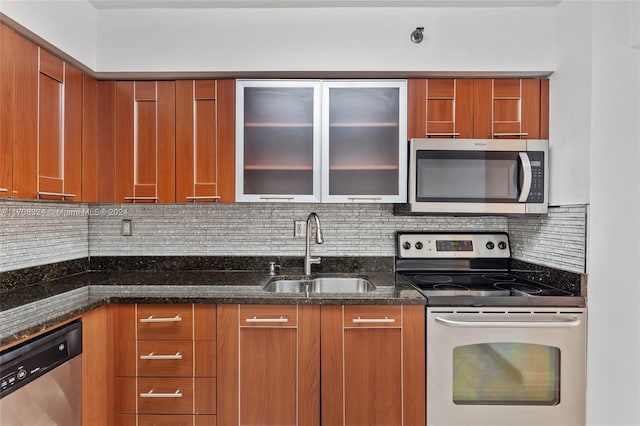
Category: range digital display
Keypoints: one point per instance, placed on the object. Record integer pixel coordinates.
(454, 245)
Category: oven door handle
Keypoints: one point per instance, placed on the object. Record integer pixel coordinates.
(569, 322)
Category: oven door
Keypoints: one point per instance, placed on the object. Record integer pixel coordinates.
(510, 367)
(468, 175)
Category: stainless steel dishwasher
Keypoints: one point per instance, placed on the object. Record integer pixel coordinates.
(41, 380)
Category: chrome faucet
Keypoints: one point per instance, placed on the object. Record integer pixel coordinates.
(308, 259)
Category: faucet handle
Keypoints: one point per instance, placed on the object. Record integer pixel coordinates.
(272, 268)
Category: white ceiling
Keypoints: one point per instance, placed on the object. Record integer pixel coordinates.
(185, 4)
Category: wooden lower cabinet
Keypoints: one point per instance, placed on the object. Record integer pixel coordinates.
(164, 365)
(268, 365)
(373, 365)
(329, 365)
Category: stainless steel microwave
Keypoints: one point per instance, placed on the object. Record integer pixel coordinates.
(478, 176)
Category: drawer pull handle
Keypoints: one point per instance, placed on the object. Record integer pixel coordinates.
(254, 319)
(4, 190)
(373, 320)
(177, 318)
(151, 394)
(178, 355)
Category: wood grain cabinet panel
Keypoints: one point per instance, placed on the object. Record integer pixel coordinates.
(268, 368)
(165, 364)
(373, 365)
(441, 108)
(60, 106)
(136, 127)
(165, 322)
(18, 115)
(7, 91)
(204, 140)
(479, 108)
(90, 147)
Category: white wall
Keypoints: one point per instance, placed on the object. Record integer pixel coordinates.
(613, 380)
(327, 39)
(570, 105)
(71, 26)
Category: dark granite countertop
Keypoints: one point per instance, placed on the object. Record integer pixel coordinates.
(31, 308)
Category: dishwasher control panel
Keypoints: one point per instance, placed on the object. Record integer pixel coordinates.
(28, 361)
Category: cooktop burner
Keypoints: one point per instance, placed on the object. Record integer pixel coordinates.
(478, 284)
(432, 279)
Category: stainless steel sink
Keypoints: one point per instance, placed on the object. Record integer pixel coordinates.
(288, 286)
(323, 285)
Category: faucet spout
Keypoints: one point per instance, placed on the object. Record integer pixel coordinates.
(308, 259)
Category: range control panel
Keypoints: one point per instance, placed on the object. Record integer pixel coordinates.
(427, 245)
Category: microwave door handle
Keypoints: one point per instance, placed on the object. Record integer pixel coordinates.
(526, 183)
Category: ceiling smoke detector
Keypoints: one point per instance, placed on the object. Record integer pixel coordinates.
(417, 35)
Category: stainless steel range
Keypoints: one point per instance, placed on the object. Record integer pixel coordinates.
(501, 349)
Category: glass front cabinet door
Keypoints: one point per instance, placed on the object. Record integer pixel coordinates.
(329, 141)
(277, 140)
(364, 141)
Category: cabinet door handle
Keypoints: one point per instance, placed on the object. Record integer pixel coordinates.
(276, 198)
(152, 394)
(373, 320)
(177, 318)
(4, 190)
(365, 198)
(178, 355)
(262, 320)
(203, 197)
(443, 134)
(55, 194)
(134, 199)
(511, 134)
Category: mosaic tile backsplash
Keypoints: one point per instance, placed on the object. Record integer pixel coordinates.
(37, 233)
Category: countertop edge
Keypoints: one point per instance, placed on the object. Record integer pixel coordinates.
(23, 321)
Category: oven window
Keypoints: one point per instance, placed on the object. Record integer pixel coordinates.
(463, 176)
(506, 373)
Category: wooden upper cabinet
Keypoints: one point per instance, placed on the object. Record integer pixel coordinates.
(89, 139)
(205, 140)
(18, 115)
(136, 139)
(59, 129)
(7, 90)
(441, 108)
(479, 108)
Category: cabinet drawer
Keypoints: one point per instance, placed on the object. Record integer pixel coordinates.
(268, 316)
(172, 395)
(165, 322)
(368, 316)
(168, 358)
(165, 395)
